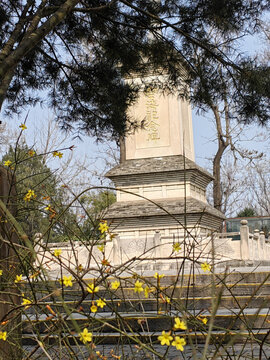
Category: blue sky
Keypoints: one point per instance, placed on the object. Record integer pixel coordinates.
(203, 127)
(203, 131)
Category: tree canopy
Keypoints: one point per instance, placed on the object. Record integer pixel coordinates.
(80, 51)
(37, 213)
(247, 212)
(95, 204)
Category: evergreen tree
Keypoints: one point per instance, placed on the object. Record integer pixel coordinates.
(37, 211)
(95, 205)
(247, 212)
(80, 51)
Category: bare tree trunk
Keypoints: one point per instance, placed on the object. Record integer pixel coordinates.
(217, 191)
(122, 149)
(223, 143)
(9, 263)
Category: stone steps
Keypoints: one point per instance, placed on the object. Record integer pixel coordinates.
(156, 304)
(187, 279)
(153, 321)
(107, 338)
(179, 292)
(243, 310)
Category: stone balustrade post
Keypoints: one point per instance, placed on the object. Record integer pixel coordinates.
(256, 242)
(244, 240)
(157, 244)
(116, 250)
(267, 246)
(262, 246)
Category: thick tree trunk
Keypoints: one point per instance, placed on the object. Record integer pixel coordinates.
(5, 82)
(9, 296)
(9, 58)
(122, 149)
(223, 143)
(217, 190)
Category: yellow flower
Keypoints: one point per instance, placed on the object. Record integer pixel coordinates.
(101, 248)
(168, 300)
(180, 324)
(204, 320)
(91, 288)
(103, 227)
(26, 302)
(115, 285)
(179, 343)
(79, 268)
(48, 208)
(101, 303)
(18, 278)
(57, 154)
(165, 339)
(138, 286)
(7, 163)
(57, 252)
(205, 267)
(67, 280)
(158, 276)
(1, 272)
(93, 308)
(85, 336)
(30, 194)
(31, 152)
(176, 247)
(23, 126)
(3, 335)
(146, 292)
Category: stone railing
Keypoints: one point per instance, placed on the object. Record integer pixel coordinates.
(156, 249)
(250, 246)
(253, 246)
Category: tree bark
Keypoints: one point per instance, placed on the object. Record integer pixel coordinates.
(29, 42)
(217, 191)
(222, 145)
(122, 149)
(9, 264)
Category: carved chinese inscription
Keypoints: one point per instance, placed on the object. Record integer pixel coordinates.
(152, 125)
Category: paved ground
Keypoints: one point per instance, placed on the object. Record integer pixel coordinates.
(236, 352)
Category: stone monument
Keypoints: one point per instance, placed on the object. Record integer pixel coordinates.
(160, 189)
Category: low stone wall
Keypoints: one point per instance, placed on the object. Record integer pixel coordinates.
(73, 256)
(156, 251)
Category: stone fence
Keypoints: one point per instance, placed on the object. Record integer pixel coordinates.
(157, 250)
(253, 246)
(243, 245)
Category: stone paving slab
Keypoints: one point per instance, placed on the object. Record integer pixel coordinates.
(236, 352)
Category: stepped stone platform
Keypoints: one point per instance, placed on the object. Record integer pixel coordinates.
(240, 323)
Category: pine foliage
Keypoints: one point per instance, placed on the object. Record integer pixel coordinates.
(74, 55)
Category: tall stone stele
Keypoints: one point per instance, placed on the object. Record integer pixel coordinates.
(160, 189)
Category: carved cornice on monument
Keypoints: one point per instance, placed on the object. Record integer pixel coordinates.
(156, 164)
(127, 209)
